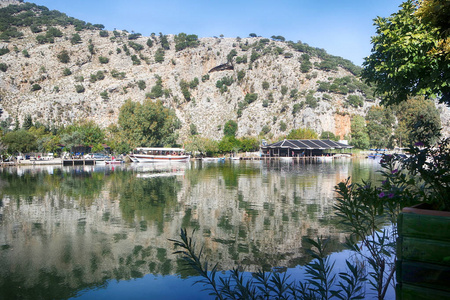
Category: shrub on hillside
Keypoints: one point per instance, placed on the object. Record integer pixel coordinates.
(63, 56)
(103, 60)
(79, 88)
(36, 87)
(3, 67)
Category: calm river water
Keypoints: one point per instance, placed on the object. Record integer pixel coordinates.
(102, 232)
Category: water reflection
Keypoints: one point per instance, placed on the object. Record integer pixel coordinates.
(64, 230)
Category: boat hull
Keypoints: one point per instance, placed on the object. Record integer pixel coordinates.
(143, 158)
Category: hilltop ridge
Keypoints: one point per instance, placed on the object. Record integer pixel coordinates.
(67, 70)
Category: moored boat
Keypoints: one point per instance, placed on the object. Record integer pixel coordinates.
(158, 155)
(213, 159)
(377, 153)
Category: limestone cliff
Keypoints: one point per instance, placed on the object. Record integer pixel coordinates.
(102, 69)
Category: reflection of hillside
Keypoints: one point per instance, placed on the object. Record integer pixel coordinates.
(264, 218)
(247, 214)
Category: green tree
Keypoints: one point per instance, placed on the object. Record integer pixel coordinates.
(184, 85)
(311, 101)
(76, 39)
(41, 39)
(302, 134)
(306, 64)
(278, 38)
(410, 54)
(71, 139)
(265, 130)
(249, 144)
(183, 41)
(27, 122)
(360, 138)
(67, 72)
(79, 88)
(159, 55)
(86, 133)
(53, 32)
(36, 87)
(48, 143)
(148, 124)
(157, 89)
(164, 41)
(135, 46)
(230, 55)
(379, 126)
(250, 98)
(328, 135)
(254, 56)
(409, 114)
(355, 101)
(134, 36)
(193, 129)
(63, 56)
(19, 141)
(229, 144)
(141, 85)
(194, 83)
(91, 132)
(240, 75)
(103, 59)
(203, 145)
(230, 128)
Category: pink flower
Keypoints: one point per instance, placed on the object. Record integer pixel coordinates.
(381, 195)
(391, 195)
(394, 171)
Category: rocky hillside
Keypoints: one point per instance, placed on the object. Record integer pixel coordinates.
(263, 84)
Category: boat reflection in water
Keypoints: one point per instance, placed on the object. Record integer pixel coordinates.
(104, 230)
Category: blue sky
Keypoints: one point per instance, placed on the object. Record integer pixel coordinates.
(342, 28)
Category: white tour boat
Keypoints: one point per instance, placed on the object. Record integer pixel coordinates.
(159, 155)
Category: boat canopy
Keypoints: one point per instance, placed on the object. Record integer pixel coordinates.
(308, 145)
(160, 149)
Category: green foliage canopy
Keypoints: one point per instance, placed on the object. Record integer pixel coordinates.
(409, 113)
(360, 138)
(148, 124)
(19, 141)
(404, 60)
(302, 133)
(379, 126)
(230, 128)
(183, 41)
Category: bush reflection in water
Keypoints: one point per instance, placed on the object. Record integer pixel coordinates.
(65, 231)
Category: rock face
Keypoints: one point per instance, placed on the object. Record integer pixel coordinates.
(103, 72)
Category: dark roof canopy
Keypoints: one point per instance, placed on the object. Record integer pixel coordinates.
(308, 145)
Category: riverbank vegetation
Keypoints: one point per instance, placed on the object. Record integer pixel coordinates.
(152, 124)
